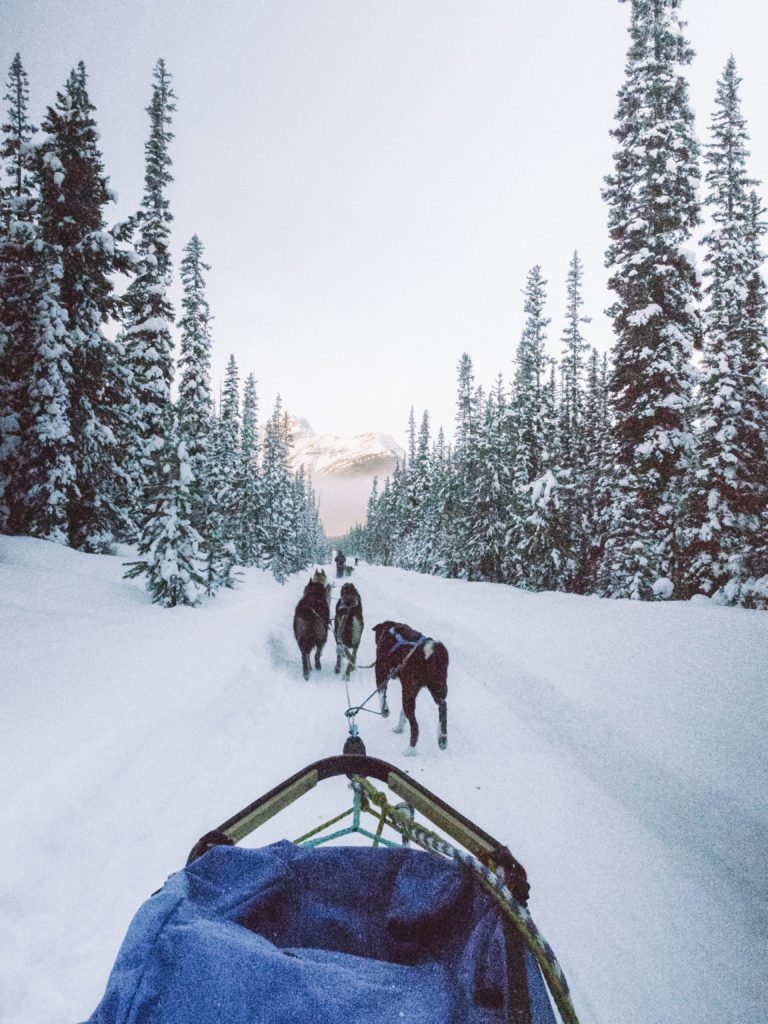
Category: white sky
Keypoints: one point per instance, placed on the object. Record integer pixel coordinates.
(372, 179)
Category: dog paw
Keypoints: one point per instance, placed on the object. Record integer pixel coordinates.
(385, 714)
(442, 742)
(398, 729)
(410, 751)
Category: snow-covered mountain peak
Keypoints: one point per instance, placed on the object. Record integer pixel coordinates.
(342, 469)
(330, 454)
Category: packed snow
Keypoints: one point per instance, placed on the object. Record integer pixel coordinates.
(617, 747)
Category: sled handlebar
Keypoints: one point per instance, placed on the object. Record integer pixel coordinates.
(474, 839)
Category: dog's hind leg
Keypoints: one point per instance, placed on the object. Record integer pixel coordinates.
(337, 669)
(382, 678)
(305, 664)
(318, 652)
(442, 732)
(409, 710)
(401, 723)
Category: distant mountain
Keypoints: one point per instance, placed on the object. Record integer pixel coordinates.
(342, 470)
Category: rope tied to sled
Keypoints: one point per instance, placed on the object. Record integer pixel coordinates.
(352, 710)
(490, 880)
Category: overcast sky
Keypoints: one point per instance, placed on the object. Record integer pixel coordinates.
(372, 179)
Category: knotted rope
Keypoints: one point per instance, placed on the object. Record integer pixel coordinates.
(492, 883)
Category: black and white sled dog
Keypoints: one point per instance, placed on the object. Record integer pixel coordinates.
(348, 627)
(417, 661)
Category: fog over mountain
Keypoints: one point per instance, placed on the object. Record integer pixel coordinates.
(342, 470)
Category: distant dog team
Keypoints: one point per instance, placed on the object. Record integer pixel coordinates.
(402, 652)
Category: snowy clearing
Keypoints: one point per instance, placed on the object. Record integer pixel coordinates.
(618, 748)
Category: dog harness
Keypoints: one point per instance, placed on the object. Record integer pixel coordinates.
(400, 641)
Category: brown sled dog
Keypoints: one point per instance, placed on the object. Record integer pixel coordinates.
(310, 624)
(417, 661)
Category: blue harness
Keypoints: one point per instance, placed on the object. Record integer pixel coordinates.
(400, 641)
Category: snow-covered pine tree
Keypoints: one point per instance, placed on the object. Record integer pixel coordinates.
(572, 366)
(221, 474)
(399, 514)
(385, 525)
(48, 447)
(370, 548)
(573, 454)
(530, 379)
(169, 544)
(74, 192)
(148, 313)
(19, 237)
(249, 536)
(465, 464)
(447, 503)
(653, 210)
(415, 483)
(594, 477)
(525, 428)
(487, 507)
(548, 532)
(421, 491)
(723, 506)
(278, 497)
(411, 438)
(755, 364)
(308, 542)
(195, 402)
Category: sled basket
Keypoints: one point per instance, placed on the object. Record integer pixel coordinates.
(427, 927)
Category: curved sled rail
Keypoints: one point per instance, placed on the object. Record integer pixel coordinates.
(488, 850)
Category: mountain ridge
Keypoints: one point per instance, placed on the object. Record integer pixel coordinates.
(342, 469)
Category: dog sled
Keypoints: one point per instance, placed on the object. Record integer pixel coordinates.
(426, 923)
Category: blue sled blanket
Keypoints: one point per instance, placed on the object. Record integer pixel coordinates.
(317, 936)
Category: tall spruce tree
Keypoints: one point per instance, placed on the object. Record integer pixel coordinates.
(530, 379)
(755, 347)
(48, 452)
(195, 402)
(223, 495)
(278, 498)
(574, 457)
(548, 530)
(74, 193)
(724, 504)
(487, 519)
(148, 311)
(19, 247)
(249, 537)
(755, 366)
(653, 210)
(572, 365)
(466, 463)
(169, 545)
(525, 428)
(594, 478)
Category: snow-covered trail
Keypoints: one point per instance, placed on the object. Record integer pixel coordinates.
(655, 865)
(616, 748)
